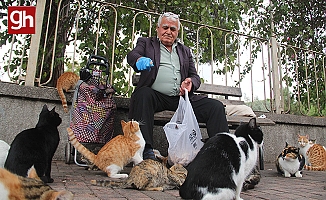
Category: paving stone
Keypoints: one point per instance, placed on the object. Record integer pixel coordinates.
(272, 186)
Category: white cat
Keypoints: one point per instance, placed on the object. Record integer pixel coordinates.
(4, 148)
(222, 165)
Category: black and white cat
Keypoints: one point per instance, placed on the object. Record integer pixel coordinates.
(223, 163)
(290, 162)
(36, 146)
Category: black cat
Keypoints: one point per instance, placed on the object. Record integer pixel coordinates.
(36, 146)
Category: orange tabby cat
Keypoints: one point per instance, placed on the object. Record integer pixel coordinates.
(118, 152)
(315, 154)
(67, 81)
(13, 186)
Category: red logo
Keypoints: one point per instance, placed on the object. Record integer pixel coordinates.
(21, 19)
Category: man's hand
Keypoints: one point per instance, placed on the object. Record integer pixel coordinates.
(144, 63)
(186, 84)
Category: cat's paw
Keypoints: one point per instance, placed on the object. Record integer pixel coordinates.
(287, 174)
(92, 168)
(247, 186)
(252, 180)
(298, 174)
(47, 179)
(119, 176)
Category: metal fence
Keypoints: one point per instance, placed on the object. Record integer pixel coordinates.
(269, 79)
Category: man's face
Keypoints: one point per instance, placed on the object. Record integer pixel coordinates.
(168, 31)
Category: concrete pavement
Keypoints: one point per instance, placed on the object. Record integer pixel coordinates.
(272, 186)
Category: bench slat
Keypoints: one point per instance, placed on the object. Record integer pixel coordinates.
(219, 90)
(236, 120)
(231, 102)
(165, 116)
(206, 88)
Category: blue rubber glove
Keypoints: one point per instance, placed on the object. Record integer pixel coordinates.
(144, 63)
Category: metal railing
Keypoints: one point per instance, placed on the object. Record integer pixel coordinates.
(257, 71)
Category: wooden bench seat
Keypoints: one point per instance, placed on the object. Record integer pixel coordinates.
(161, 118)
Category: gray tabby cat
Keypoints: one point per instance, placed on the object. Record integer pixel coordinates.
(150, 175)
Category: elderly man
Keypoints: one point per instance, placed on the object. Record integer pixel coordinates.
(167, 68)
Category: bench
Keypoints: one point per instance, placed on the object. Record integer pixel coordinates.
(161, 118)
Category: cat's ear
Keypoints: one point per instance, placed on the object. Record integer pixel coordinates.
(134, 124)
(123, 123)
(252, 123)
(162, 159)
(53, 109)
(45, 108)
(32, 173)
(52, 112)
(286, 144)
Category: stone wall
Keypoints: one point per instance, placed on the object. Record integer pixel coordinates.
(21, 105)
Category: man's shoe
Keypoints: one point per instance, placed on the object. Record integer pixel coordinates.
(149, 154)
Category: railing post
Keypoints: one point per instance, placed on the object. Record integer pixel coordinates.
(275, 70)
(35, 43)
(275, 78)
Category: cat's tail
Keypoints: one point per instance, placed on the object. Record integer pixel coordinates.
(83, 150)
(313, 168)
(62, 97)
(112, 184)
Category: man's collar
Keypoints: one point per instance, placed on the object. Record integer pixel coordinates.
(175, 42)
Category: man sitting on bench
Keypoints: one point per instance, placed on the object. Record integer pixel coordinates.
(167, 68)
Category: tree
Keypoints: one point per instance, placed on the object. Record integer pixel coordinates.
(224, 14)
(64, 29)
(299, 25)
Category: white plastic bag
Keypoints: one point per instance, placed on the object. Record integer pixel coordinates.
(183, 134)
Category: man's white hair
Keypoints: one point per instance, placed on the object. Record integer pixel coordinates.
(169, 16)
